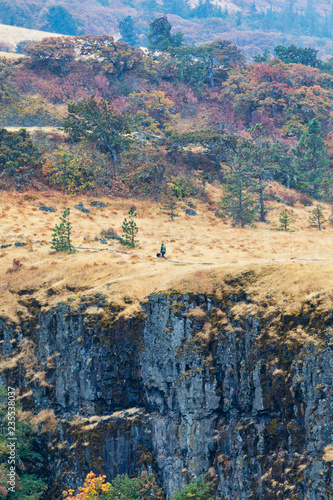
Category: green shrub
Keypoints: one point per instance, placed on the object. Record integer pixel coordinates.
(182, 187)
(197, 490)
(71, 168)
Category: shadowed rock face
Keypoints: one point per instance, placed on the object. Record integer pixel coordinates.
(196, 383)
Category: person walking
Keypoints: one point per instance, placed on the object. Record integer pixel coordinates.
(163, 250)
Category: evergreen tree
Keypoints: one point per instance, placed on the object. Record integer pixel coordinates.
(253, 11)
(179, 7)
(312, 161)
(285, 219)
(263, 58)
(170, 204)
(317, 219)
(285, 166)
(257, 154)
(61, 237)
(127, 31)
(159, 36)
(239, 18)
(130, 229)
(151, 6)
(238, 202)
(59, 20)
(29, 463)
(297, 55)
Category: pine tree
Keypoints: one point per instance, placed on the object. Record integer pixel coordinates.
(285, 168)
(238, 202)
(61, 241)
(170, 205)
(127, 31)
(159, 36)
(317, 219)
(312, 160)
(179, 7)
(257, 154)
(285, 219)
(59, 20)
(130, 230)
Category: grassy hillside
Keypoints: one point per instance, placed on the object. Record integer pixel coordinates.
(11, 35)
(235, 20)
(198, 247)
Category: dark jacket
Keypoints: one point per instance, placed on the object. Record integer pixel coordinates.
(163, 249)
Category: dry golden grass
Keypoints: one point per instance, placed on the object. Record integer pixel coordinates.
(10, 55)
(45, 420)
(14, 34)
(328, 454)
(202, 251)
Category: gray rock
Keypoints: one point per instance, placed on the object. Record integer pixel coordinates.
(44, 208)
(100, 204)
(237, 401)
(82, 208)
(189, 211)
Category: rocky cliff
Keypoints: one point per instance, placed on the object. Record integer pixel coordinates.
(220, 383)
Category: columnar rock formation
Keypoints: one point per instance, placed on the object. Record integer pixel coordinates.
(213, 383)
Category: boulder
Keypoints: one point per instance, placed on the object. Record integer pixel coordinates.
(189, 211)
(100, 204)
(82, 208)
(44, 208)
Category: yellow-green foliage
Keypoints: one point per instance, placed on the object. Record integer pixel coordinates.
(73, 169)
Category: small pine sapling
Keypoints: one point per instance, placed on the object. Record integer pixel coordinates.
(285, 219)
(130, 229)
(170, 205)
(317, 219)
(61, 237)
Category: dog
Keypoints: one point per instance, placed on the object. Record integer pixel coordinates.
(158, 255)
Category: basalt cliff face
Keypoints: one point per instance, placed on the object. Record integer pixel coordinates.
(195, 383)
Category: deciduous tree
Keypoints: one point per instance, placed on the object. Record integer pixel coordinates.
(210, 62)
(18, 155)
(151, 111)
(114, 58)
(55, 53)
(99, 123)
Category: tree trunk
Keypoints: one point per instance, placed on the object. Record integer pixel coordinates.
(288, 181)
(211, 73)
(262, 200)
(251, 114)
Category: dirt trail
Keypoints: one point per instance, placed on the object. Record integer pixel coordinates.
(196, 246)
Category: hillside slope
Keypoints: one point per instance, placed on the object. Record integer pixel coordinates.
(11, 35)
(253, 34)
(225, 348)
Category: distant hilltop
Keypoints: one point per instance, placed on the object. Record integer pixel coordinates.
(12, 35)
